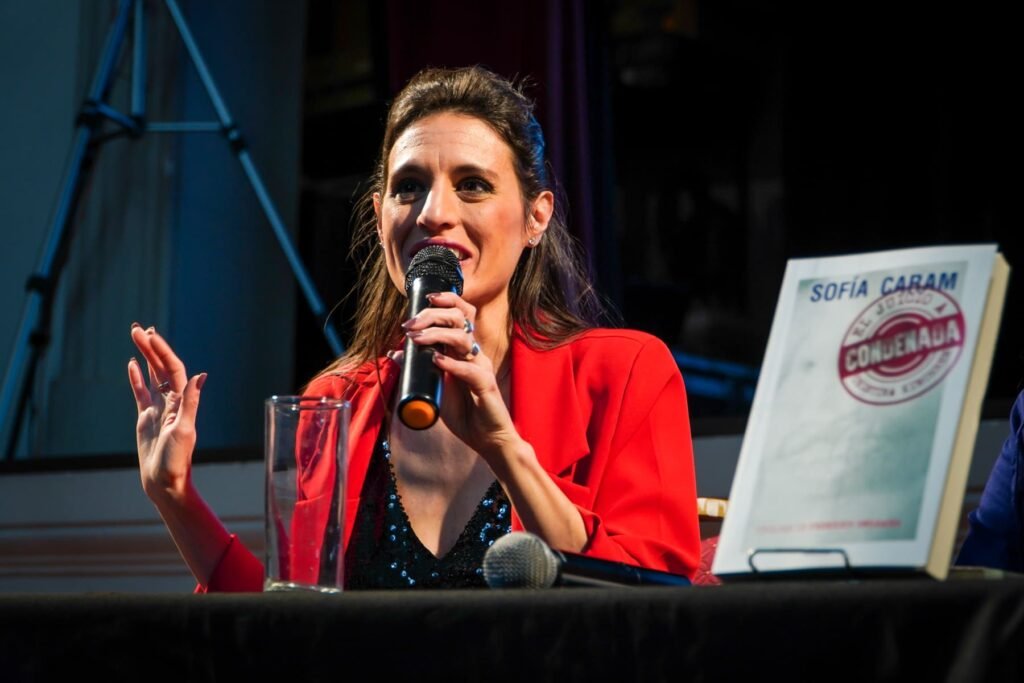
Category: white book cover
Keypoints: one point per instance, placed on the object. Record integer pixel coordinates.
(852, 429)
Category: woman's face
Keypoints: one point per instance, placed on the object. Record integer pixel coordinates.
(451, 181)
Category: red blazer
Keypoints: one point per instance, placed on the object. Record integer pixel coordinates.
(606, 415)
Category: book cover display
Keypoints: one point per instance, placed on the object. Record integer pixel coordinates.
(855, 438)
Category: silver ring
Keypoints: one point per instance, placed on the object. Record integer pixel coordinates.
(467, 325)
(474, 350)
(163, 387)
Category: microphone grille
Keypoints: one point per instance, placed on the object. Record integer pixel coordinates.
(437, 261)
(520, 560)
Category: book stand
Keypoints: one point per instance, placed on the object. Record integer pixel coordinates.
(847, 568)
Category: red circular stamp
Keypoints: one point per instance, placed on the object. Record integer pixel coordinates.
(901, 346)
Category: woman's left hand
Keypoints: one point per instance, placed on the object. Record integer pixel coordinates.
(473, 407)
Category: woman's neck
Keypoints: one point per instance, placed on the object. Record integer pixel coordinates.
(491, 332)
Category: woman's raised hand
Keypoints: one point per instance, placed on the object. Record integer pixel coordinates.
(167, 406)
(473, 407)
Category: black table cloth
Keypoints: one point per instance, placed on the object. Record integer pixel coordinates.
(906, 629)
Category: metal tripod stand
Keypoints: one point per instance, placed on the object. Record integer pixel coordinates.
(34, 328)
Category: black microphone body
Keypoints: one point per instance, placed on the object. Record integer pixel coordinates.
(523, 560)
(434, 269)
(579, 570)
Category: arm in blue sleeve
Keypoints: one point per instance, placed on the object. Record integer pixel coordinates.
(994, 537)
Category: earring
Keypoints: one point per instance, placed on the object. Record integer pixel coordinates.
(531, 241)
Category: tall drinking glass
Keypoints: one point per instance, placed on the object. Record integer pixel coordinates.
(306, 456)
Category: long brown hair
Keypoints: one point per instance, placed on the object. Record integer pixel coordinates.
(550, 296)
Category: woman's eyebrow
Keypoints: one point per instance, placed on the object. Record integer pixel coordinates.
(473, 169)
(410, 166)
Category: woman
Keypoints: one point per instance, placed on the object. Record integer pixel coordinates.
(548, 424)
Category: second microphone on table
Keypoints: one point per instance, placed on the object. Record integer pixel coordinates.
(433, 269)
(523, 560)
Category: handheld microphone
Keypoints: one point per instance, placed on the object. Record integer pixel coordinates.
(433, 269)
(523, 560)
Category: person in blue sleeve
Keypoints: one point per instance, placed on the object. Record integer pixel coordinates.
(996, 534)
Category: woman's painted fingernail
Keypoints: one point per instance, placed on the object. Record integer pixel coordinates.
(431, 296)
(408, 322)
(201, 381)
(134, 325)
(414, 334)
(438, 356)
(150, 330)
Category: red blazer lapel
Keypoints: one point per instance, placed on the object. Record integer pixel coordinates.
(545, 406)
(364, 427)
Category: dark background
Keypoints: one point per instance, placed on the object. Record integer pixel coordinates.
(701, 145)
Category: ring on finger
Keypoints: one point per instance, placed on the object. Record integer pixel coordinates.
(467, 325)
(474, 350)
(163, 387)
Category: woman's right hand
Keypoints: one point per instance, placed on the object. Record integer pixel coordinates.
(167, 406)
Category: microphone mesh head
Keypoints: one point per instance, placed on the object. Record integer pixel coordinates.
(437, 261)
(520, 560)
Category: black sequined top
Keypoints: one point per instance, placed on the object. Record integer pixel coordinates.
(384, 552)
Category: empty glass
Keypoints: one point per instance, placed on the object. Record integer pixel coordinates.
(306, 447)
